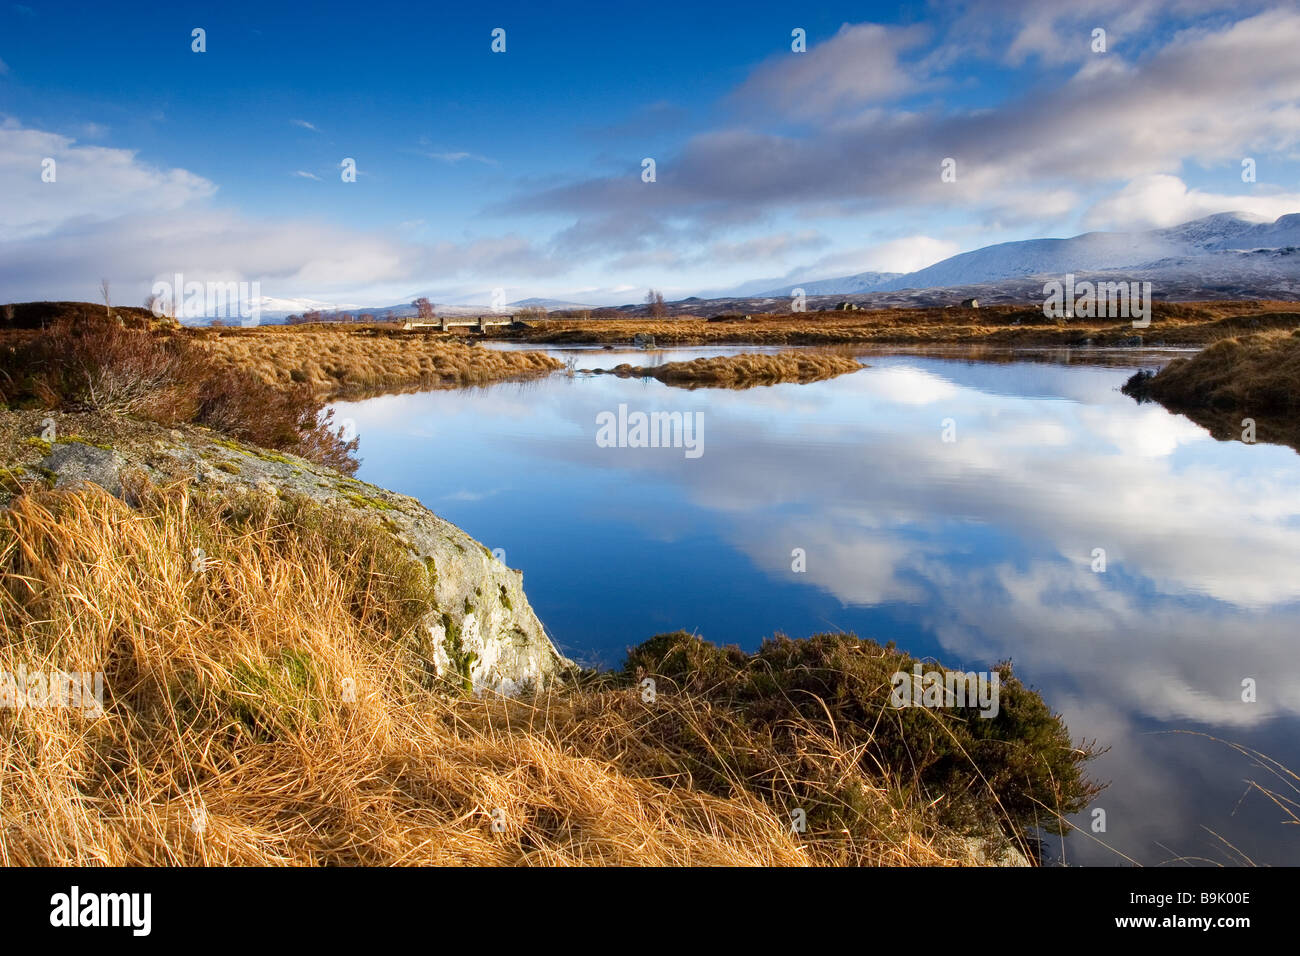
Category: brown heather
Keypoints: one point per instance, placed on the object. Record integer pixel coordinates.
(1254, 377)
(1256, 372)
(348, 362)
(1174, 323)
(745, 371)
(96, 364)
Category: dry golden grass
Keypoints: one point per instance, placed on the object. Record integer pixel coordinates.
(745, 371)
(225, 703)
(1190, 323)
(1255, 378)
(349, 362)
(1259, 372)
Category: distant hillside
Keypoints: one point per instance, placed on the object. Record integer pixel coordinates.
(846, 285)
(1211, 245)
(38, 315)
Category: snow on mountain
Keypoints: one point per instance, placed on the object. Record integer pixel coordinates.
(277, 306)
(1283, 232)
(1091, 252)
(550, 304)
(1203, 240)
(847, 285)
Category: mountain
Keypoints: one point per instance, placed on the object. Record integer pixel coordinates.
(1224, 256)
(1209, 243)
(549, 304)
(847, 285)
(782, 287)
(276, 307)
(1173, 256)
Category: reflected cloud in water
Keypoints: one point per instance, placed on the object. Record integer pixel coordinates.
(973, 551)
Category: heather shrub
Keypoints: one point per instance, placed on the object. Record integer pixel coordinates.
(100, 365)
(1017, 770)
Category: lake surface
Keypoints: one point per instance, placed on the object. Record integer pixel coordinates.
(972, 550)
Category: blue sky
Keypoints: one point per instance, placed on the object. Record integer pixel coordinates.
(522, 169)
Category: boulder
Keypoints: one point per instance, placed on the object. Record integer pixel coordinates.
(482, 633)
(75, 463)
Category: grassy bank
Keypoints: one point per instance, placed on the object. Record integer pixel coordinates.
(1253, 377)
(343, 362)
(274, 708)
(1171, 324)
(278, 701)
(744, 371)
(325, 361)
(1260, 372)
(96, 364)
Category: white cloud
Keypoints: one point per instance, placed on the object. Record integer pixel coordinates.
(458, 156)
(109, 213)
(92, 183)
(857, 66)
(306, 175)
(305, 125)
(908, 254)
(1160, 199)
(773, 246)
(1206, 96)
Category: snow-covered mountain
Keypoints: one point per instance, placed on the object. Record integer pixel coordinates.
(1180, 250)
(847, 285)
(549, 304)
(1226, 256)
(273, 306)
(1210, 244)
(1229, 255)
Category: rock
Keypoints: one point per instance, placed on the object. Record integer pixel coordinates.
(482, 631)
(643, 341)
(970, 303)
(992, 851)
(75, 463)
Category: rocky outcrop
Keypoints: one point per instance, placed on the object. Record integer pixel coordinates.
(483, 633)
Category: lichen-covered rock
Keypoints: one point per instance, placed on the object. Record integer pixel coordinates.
(74, 463)
(483, 634)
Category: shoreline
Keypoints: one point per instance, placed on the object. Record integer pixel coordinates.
(426, 644)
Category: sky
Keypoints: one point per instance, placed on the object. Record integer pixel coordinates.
(524, 170)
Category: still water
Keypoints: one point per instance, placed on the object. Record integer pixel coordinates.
(971, 550)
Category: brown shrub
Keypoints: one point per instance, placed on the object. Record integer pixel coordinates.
(99, 365)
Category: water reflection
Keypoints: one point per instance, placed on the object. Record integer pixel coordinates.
(973, 550)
